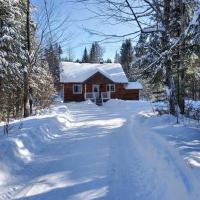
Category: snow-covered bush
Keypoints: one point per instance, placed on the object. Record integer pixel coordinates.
(193, 109)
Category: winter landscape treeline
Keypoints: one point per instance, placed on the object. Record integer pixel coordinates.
(26, 76)
(166, 49)
(162, 52)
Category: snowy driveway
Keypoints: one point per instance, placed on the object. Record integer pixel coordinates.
(84, 152)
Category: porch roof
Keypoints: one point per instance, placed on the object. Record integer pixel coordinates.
(76, 72)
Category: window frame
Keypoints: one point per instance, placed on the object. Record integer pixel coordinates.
(79, 85)
(109, 86)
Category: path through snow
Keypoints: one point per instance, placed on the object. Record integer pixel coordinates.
(80, 151)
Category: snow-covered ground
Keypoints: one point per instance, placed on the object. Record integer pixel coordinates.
(119, 151)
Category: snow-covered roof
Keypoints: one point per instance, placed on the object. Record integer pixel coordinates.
(134, 85)
(76, 72)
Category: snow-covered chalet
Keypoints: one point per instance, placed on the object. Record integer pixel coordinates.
(97, 82)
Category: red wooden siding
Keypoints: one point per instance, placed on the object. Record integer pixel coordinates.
(98, 78)
(68, 93)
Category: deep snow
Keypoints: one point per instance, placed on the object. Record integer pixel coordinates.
(119, 151)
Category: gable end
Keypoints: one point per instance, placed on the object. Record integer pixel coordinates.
(98, 78)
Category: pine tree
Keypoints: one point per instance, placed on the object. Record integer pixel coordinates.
(78, 61)
(96, 53)
(15, 61)
(108, 60)
(92, 54)
(85, 58)
(53, 57)
(167, 52)
(12, 56)
(126, 57)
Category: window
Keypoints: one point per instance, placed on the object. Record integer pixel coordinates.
(77, 89)
(111, 87)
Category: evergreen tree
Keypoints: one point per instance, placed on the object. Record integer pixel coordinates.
(108, 60)
(53, 57)
(167, 52)
(92, 54)
(126, 57)
(96, 53)
(168, 38)
(22, 72)
(85, 58)
(78, 61)
(12, 56)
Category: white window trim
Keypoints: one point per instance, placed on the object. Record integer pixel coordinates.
(109, 85)
(77, 85)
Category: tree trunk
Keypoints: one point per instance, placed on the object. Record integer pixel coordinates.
(167, 60)
(181, 58)
(26, 112)
(31, 106)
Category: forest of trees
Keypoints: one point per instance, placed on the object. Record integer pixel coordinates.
(125, 57)
(26, 73)
(95, 54)
(167, 51)
(165, 57)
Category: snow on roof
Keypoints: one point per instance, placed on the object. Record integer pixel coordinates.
(134, 85)
(76, 72)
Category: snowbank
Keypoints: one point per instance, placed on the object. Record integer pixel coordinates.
(76, 150)
(20, 146)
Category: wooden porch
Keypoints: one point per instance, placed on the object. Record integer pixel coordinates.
(97, 97)
(96, 92)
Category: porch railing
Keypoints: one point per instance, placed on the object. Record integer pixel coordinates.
(93, 96)
(90, 96)
(105, 95)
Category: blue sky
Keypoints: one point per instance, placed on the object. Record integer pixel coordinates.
(78, 20)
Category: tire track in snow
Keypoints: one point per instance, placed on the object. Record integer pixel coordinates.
(174, 178)
(137, 161)
(128, 177)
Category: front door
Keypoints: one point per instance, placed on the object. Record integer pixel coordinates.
(96, 90)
